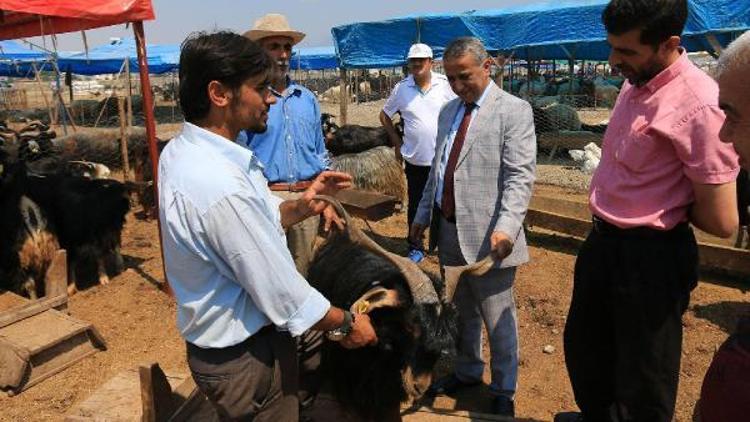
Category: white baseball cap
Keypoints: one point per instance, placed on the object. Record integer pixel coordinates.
(419, 51)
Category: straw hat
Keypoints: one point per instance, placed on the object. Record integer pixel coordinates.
(273, 25)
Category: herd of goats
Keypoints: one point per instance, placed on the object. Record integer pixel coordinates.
(58, 193)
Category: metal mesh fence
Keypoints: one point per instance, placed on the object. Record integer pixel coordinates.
(85, 101)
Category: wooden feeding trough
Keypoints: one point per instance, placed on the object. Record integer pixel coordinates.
(37, 338)
(145, 394)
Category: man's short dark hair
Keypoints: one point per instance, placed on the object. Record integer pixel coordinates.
(220, 56)
(657, 19)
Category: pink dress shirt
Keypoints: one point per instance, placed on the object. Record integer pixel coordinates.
(661, 138)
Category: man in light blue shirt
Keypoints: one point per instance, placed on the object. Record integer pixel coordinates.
(292, 150)
(240, 300)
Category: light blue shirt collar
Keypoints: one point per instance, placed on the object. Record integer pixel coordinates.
(483, 96)
(239, 155)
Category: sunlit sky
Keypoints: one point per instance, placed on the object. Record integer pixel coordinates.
(175, 19)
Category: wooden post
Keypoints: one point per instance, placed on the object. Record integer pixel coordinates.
(343, 95)
(123, 138)
(41, 91)
(130, 94)
(148, 112)
(157, 401)
(528, 77)
(67, 113)
(355, 89)
(571, 66)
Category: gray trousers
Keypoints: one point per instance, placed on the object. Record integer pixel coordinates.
(487, 299)
(256, 380)
(300, 238)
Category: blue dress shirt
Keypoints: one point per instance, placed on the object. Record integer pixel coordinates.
(224, 248)
(292, 149)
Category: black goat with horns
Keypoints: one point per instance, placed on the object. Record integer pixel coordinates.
(411, 312)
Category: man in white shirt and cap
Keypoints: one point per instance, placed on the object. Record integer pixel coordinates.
(418, 98)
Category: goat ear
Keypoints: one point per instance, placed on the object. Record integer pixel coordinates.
(32, 216)
(377, 297)
(452, 275)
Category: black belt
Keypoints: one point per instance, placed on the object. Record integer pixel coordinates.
(208, 354)
(603, 227)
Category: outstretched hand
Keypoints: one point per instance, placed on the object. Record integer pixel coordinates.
(327, 183)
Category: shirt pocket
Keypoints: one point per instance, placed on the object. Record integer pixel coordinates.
(639, 152)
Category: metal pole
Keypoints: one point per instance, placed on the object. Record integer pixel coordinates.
(148, 111)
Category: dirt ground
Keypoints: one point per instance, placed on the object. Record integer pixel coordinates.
(138, 322)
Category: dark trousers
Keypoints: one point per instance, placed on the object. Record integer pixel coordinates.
(623, 335)
(416, 179)
(255, 380)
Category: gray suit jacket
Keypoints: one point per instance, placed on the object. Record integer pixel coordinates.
(493, 177)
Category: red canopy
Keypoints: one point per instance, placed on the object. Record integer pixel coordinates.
(29, 18)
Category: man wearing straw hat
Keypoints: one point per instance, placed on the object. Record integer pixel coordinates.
(292, 150)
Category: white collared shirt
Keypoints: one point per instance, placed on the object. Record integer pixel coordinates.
(225, 251)
(420, 113)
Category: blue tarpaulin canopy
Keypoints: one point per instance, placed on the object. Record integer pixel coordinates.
(11, 50)
(314, 58)
(575, 30)
(109, 58)
(15, 59)
(385, 43)
(552, 30)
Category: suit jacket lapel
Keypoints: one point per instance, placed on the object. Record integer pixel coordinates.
(484, 116)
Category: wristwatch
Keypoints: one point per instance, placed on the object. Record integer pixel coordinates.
(338, 334)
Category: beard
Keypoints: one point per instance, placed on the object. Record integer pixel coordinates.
(281, 70)
(249, 123)
(643, 75)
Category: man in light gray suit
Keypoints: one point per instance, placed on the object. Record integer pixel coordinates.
(475, 202)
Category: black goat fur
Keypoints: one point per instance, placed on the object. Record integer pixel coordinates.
(28, 244)
(352, 139)
(88, 216)
(368, 381)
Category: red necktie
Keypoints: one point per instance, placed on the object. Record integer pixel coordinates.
(448, 202)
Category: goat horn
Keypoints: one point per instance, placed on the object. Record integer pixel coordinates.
(452, 274)
(421, 287)
(88, 164)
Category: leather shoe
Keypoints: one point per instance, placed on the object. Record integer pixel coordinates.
(503, 406)
(569, 417)
(449, 384)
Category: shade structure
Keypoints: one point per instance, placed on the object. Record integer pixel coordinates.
(30, 18)
(314, 58)
(551, 30)
(108, 58)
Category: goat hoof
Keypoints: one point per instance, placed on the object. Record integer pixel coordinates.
(103, 280)
(72, 289)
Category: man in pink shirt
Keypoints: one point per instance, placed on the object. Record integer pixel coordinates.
(663, 168)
